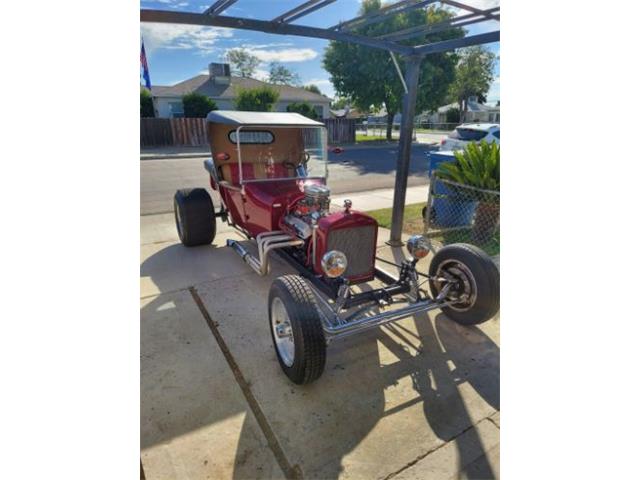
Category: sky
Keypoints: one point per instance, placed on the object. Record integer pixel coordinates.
(178, 52)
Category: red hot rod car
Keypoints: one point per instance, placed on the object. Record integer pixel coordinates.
(270, 170)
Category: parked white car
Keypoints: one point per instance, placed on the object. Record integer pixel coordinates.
(471, 132)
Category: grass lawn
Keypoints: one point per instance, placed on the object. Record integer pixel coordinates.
(430, 130)
(371, 138)
(414, 225)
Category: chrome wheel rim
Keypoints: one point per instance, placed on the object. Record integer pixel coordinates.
(466, 290)
(282, 332)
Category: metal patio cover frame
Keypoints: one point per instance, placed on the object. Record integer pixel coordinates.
(343, 32)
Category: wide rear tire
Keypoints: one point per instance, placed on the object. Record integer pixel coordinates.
(195, 216)
(479, 280)
(296, 329)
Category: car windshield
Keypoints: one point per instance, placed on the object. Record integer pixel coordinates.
(274, 152)
(468, 134)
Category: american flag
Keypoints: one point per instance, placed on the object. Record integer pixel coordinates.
(145, 67)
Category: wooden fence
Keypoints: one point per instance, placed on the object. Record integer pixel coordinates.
(340, 130)
(156, 132)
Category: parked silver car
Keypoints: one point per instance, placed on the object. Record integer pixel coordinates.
(471, 132)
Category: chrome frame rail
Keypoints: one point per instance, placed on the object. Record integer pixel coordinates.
(336, 327)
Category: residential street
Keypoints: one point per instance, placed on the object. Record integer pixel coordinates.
(357, 169)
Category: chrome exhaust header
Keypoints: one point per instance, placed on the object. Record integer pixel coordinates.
(266, 241)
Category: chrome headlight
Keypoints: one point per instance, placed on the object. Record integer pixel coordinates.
(418, 247)
(334, 263)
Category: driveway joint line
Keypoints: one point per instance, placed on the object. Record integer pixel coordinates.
(435, 449)
(291, 472)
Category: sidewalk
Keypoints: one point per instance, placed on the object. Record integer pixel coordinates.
(382, 198)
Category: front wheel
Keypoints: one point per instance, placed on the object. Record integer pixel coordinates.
(296, 329)
(474, 280)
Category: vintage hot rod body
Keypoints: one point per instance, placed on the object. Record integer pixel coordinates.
(270, 170)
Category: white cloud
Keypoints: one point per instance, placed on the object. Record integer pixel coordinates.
(182, 37)
(284, 55)
(261, 74)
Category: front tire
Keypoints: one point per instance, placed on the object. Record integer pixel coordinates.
(195, 217)
(477, 283)
(296, 329)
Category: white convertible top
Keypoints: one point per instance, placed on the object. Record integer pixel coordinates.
(232, 117)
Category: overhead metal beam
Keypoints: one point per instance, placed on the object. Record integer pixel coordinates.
(427, 29)
(218, 7)
(445, 45)
(382, 14)
(302, 10)
(185, 18)
(469, 8)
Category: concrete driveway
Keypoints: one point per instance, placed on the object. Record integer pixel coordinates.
(418, 399)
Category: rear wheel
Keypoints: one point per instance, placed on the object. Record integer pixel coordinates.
(474, 280)
(296, 329)
(195, 217)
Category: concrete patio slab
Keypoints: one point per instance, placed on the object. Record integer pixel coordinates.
(437, 465)
(195, 422)
(169, 266)
(390, 400)
(387, 398)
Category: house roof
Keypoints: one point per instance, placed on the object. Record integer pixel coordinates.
(471, 107)
(232, 117)
(205, 85)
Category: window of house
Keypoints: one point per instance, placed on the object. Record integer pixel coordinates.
(177, 109)
(318, 110)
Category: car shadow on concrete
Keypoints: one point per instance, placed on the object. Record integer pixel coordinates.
(360, 417)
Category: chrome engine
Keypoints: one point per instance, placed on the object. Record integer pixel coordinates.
(314, 205)
(317, 199)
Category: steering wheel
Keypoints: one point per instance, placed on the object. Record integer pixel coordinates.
(290, 165)
(304, 161)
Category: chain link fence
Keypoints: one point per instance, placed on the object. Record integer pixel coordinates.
(459, 213)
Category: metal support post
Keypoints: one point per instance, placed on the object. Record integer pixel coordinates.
(404, 149)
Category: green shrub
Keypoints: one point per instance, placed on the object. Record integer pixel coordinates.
(146, 104)
(197, 105)
(261, 99)
(478, 165)
(303, 108)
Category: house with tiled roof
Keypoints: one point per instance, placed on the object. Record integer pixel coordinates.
(221, 87)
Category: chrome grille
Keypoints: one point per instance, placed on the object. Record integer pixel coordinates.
(358, 244)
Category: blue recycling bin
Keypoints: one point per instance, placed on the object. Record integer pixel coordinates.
(448, 209)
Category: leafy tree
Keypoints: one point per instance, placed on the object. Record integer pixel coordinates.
(312, 88)
(242, 62)
(146, 104)
(372, 80)
(453, 115)
(281, 75)
(340, 103)
(261, 99)
(197, 105)
(303, 108)
(474, 74)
